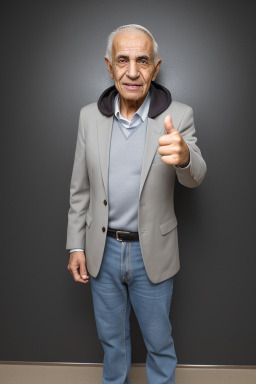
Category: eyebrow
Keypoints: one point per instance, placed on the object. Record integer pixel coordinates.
(127, 57)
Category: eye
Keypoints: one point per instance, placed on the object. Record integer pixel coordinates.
(143, 62)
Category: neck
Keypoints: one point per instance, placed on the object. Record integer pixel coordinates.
(129, 107)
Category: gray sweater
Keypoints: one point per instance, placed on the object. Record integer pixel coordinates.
(125, 164)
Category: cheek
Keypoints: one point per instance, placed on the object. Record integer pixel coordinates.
(147, 75)
(118, 73)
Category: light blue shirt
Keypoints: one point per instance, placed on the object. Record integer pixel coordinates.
(139, 116)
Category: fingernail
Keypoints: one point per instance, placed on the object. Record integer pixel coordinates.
(84, 276)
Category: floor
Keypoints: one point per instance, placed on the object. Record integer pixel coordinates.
(26, 373)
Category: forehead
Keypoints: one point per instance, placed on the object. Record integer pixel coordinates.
(132, 42)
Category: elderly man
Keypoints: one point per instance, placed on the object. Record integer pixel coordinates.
(122, 228)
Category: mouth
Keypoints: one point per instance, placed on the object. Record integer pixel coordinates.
(132, 86)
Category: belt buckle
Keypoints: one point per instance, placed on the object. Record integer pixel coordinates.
(117, 238)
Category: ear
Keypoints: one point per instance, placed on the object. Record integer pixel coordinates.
(109, 67)
(157, 67)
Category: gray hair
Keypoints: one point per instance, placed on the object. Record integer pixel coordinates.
(130, 27)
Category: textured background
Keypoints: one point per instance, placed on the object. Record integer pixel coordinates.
(53, 65)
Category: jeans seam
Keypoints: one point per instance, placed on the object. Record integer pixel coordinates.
(124, 340)
(128, 260)
(121, 261)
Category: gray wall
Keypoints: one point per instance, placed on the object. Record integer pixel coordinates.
(53, 66)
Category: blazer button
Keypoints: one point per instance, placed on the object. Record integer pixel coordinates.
(105, 202)
(103, 229)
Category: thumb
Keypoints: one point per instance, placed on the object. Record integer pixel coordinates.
(168, 124)
(83, 270)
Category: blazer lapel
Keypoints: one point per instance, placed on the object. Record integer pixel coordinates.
(152, 135)
(104, 130)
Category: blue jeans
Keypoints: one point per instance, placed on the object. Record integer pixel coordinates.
(122, 281)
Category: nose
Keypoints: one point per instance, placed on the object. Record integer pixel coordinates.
(132, 69)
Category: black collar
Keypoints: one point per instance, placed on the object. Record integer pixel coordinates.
(160, 100)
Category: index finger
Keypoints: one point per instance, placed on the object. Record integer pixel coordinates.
(77, 277)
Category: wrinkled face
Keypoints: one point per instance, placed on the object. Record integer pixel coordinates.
(132, 66)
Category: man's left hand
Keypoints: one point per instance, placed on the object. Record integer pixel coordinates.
(172, 146)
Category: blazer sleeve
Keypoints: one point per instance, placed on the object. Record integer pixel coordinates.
(79, 194)
(192, 175)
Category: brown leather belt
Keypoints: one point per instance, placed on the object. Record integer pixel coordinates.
(123, 235)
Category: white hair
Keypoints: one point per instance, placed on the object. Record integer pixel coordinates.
(130, 27)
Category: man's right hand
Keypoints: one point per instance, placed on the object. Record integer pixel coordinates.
(77, 267)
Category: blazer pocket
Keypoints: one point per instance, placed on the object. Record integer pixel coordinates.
(168, 226)
(88, 219)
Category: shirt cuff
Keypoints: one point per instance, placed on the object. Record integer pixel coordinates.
(187, 166)
(76, 249)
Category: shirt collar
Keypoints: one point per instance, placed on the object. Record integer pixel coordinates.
(141, 113)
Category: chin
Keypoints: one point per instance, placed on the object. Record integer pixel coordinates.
(132, 95)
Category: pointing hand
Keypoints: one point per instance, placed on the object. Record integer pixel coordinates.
(172, 146)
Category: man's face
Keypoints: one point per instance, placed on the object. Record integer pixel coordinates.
(132, 65)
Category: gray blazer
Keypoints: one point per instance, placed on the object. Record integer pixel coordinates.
(157, 223)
